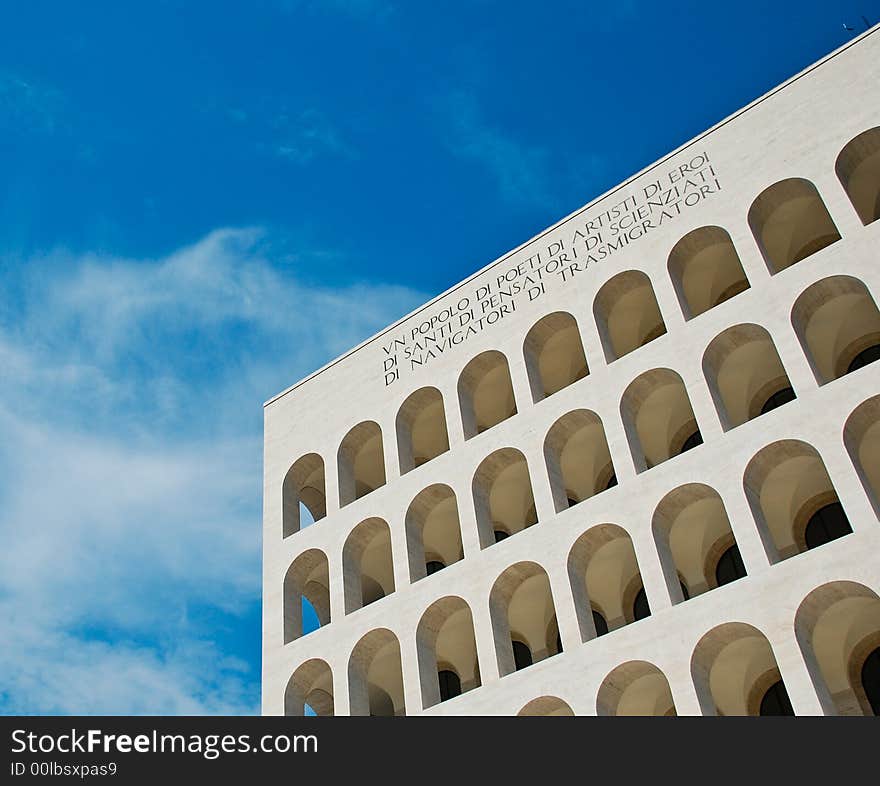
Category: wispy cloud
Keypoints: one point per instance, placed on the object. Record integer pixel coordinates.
(308, 135)
(28, 105)
(522, 171)
(130, 466)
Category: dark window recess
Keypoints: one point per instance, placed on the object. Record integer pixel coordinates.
(684, 590)
(730, 566)
(826, 524)
(522, 655)
(775, 701)
(864, 357)
(641, 609)
(572, 501)
(433, 566)
(692, 441)
(450, 684)
(558, 643)
(599, 622)
(612, 481)
(500, 535)
(871, 680)
(779, 398)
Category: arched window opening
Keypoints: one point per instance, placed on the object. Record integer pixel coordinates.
(546, 706)
(577, 457)
(861, 435)
(450, 684)
(777, 399)
(733, 667)
(838, 630)
(375, 678)
(368, 568)
(864, 358)
(775, 701)
(421, 429)
(627, 314)
(307, 581)
(500, 535)
(786, 483)
(605, 581)
(641, 609)
(635, 688)
(729, 567)
(522, 655)
(870, 676)
(695, 543)
(745, 375)
(790, 222)
(858, 168)
(838, 325)
(503, 497)
(485, 393)
(433, 531)
(658, 418)
(310, 690)
(826, 524)
(433, 567)
(705, 270)
(523, 617)
(303, 492)
(554, 355)
(361, 461)
(447, 651)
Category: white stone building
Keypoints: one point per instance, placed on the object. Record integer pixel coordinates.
(631, 467)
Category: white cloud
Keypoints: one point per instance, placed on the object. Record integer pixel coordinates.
(130, 466)
(522, 172)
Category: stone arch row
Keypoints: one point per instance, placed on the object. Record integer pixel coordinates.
(836, 320)
(792, 498)
(733, 666)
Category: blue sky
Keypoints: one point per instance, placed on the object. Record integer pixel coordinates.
(203, 202)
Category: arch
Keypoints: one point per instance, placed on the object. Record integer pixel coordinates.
(734, 668)
(522, 609)
(545, 706)
(554, 355)
(485, 393)
(307, 578)
(745, 375)
(861, 435)
(361, 460)
(367, 565)
(658, 418)
(705, 270)
(375, 676)
(433, 530)
(421, 429)
(310, 687)
(787, 487)
(858, 168)
(838, 325)
(838, 630)
(605, 580)
(635, 688)
(578, 460)
(303, 486)
(693, 536)
(790, 222)
(503, 497)
(627, 314)
(445, 642)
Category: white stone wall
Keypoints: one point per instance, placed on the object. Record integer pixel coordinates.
(796, 131)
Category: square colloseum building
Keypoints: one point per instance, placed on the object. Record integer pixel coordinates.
(630, 468)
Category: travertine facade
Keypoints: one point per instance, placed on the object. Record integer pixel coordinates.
(641, 451)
